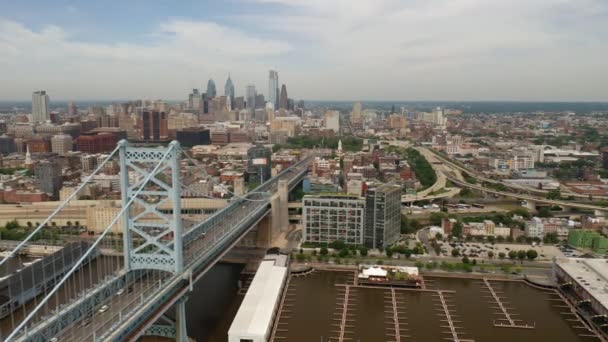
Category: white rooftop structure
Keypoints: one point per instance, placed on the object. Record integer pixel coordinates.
(373, 271)
(590, 274)
(253, 321)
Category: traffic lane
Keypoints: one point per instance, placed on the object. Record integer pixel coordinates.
(119, 306)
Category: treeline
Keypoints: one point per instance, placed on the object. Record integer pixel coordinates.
(423, 169)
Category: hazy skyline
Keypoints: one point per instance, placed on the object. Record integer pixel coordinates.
(323, 50)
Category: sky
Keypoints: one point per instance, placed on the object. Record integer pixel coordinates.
(521, 50)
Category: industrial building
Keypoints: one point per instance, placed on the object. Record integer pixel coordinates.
(585, 280)
(255, 318)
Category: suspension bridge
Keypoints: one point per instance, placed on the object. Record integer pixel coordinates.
(163, 254)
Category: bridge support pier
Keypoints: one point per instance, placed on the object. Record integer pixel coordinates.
(180, 321)
(283, 191)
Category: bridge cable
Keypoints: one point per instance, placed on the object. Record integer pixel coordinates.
(92, 247)
(67, 200)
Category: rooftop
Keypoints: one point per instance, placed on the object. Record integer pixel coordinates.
(590, 274)
(254, 318)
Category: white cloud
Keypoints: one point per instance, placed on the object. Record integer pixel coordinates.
(340, 49)
(451, 49)
(183, 54)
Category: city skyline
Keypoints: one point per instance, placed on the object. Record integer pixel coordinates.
(375, 50)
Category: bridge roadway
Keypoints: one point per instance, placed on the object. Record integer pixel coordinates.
(145, 300)
(527, 197)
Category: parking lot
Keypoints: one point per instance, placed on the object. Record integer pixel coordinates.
(481, 250)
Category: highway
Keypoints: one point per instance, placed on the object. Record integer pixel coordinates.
(447, 161)
(441, 170)
(199, 250)
(527, 197)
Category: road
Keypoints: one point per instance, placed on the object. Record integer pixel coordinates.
(528, 197)
(440, 184)
(541, 192)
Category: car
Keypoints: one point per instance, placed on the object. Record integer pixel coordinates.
(54, 339)
(104, 309)
(119, 292)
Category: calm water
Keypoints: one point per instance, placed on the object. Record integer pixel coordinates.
(316, 301)
(213, 303)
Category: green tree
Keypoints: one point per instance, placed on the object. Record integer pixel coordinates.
(338, 244)
(389, 252)
(551, 238)
(521, 255)
(512, 255)
(436, 218)
(465, 260)
(457, 229)
(545, 212)
(455, 252)
(531, 254)
(343, 253)
(554, 194)
(363, 251)
(501, 255)
(324, 251)
(438, 237)
(490, 254)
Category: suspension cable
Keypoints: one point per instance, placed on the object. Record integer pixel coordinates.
(67, 200)
(92, 247)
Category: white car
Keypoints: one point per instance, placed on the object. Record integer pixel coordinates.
(104, 309)
(119, 292)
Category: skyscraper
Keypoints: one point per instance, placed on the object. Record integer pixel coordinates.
(438, 118)
(229, 90)
(153, 125)
(48, 177)
(250, 94)
(195, 99)
(72, 109)
(258, 164)
(332, 120)
(211, 92)
(40, 106)
(273, 87)
(356, 113)
(284, 100)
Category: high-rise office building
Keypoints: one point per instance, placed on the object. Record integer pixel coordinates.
(273, 87)
(259, 101)
(48, 177)
(195, 99)
(356, 115)
(40, 107)
(332, 120)
(382, 216)
(284, 100)
(211, 91)
(229, 90)
(153, 125)
(72, 109)
(250, 94)
(258, 164)
(438, 118)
